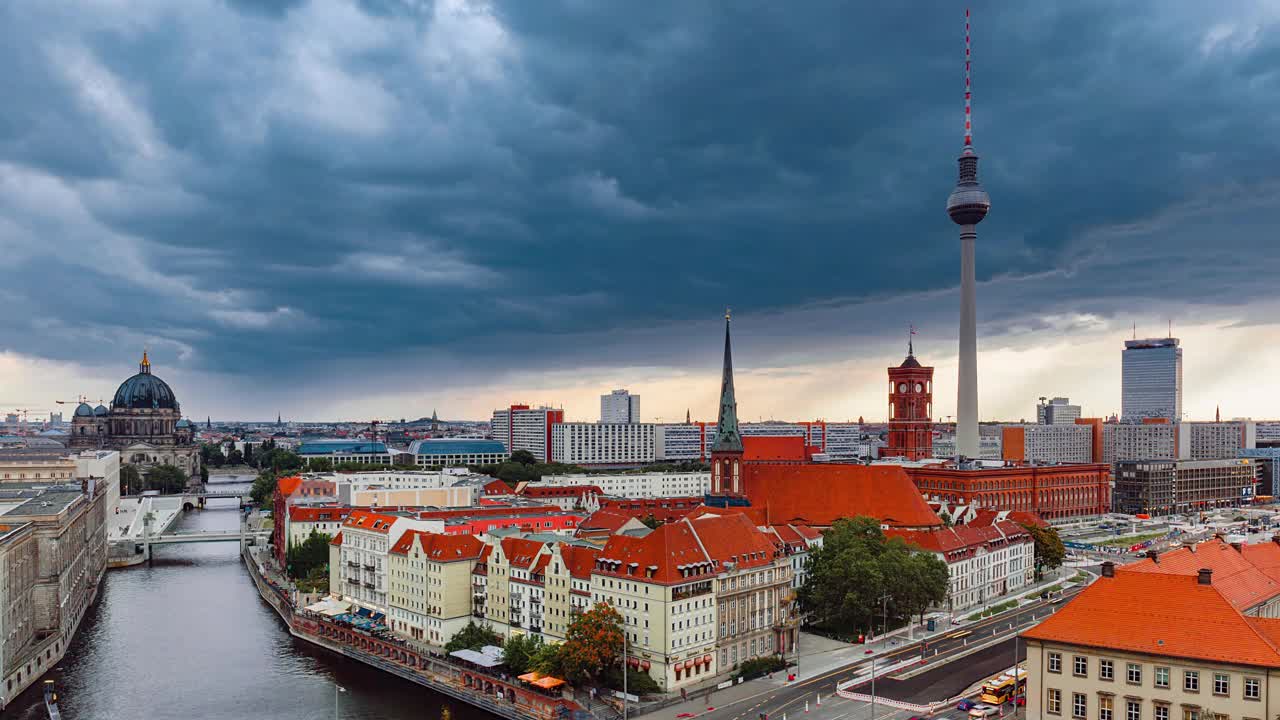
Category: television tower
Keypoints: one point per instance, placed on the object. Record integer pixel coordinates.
(967, 206)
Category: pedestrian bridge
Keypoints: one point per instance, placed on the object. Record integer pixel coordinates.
(198, 536)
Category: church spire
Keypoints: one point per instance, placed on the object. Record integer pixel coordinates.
(144, 367)
(727, 437)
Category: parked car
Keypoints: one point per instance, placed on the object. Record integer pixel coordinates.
(965, 705)
(983, 711)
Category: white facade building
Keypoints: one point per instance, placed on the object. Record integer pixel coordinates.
(604, 443)
(680, 442)
(619, 406)
(641, 485)
(1049, 443)
(1058, 411)
(367, 537)
(1177, 441)
(983, 563)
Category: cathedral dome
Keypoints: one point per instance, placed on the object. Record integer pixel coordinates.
(144, 391)
(84, 410)
(100, 410)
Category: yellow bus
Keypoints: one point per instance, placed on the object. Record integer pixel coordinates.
(1004, 687)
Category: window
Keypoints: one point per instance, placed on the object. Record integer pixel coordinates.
(1104, 707)
(1080, 667)
(1162, 712)
(1190, 714)
(1132, 710)
(1133, 673)
(1078, 705)
(1252, 689)
(1106, 670)
(1221, 684)
(1055, 662)
(1191, 680)
(1054, 702)
(1162, 677)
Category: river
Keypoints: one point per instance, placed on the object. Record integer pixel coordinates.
(188, 638)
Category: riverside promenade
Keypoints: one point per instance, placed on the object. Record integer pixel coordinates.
(484, 688)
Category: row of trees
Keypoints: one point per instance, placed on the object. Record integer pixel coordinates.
(522, 466)
(167, 479)
(590, 655)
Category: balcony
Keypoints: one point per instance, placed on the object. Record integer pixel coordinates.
(368, 585)
(370, 568)
(353, 581)
(353, 564)
(514, 623)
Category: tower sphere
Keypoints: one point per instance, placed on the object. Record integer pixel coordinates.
(968, 203)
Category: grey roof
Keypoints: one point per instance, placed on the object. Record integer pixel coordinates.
(48, 503)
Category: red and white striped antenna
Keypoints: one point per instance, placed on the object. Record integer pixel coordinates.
(968, 93)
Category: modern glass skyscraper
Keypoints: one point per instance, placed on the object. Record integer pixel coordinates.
(1151, 379)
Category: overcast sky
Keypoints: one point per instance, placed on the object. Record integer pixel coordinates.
(342, 209)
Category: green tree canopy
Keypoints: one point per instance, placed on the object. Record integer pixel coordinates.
(1049, 550)
(473, 637)
(519, 651)
(524, 457)
(264, 487)
(130, 480)
(858, 576)
(301, 558)
(167, 479)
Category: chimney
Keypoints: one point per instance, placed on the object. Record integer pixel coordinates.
(1108, 569)
(1204, 577)
(1154, 555)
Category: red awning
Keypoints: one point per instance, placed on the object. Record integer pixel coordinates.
(706, 659)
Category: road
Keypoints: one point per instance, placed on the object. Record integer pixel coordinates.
(946, 680)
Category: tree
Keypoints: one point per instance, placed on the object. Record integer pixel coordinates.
(235, 457)
(1049, 550)
(167, 479)
(518, 652)
(320, 465)
(303, 557)
(215, 458)
(204, 474)
(523, 457)
(130, 480)
(248, 453)
(592, 643)
(859, 578)
(547, 660)
(473, 637)
(651, 522)
(264, 487)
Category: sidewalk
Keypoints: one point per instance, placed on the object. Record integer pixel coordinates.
(820, 655)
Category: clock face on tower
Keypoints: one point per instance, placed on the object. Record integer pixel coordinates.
(919, 387)
(902, 387)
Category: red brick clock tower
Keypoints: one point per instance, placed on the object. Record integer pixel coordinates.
(910, 409)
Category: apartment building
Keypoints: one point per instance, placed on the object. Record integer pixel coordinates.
(302, 520)
(1047, 443)
(1163, 487)
(796, 541)
(1177, 440)
(520, 427)
(367, 539)
(429, 582)
(1144, 646)
(640, 484)
(628, 443)
(984, 562)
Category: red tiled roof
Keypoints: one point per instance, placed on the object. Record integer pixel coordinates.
(337, 539)
(1235, 577)
(497, 487)
(603, 521)
(440, 547)
(819, 494)
(366, 520)
(312, 513)
(770, 448)
(963, 537)
(1265, 556)
(733, 538)
(807, 532)
(579, 560)
(540, 566)
(520, 551)
(1158, 614)
(657, 557)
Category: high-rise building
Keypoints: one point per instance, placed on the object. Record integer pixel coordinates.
(1151, 379)
(1048, 443)
(521, 427)
(1058, 411)
(910, 409)
(619, 406)
(967, 206)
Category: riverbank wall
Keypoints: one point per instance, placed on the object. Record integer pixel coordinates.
(480, 687)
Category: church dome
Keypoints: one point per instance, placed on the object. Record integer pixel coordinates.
(84, 410)
(183, 423)
(100, 410)
(144, 391)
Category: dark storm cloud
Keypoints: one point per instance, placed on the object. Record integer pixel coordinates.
(268, 187)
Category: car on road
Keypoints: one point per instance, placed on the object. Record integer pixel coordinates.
(983, 711)
(965, 705)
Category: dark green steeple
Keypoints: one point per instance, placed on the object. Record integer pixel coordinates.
(727, 437)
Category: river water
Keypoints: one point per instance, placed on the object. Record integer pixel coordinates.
(188, 638)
